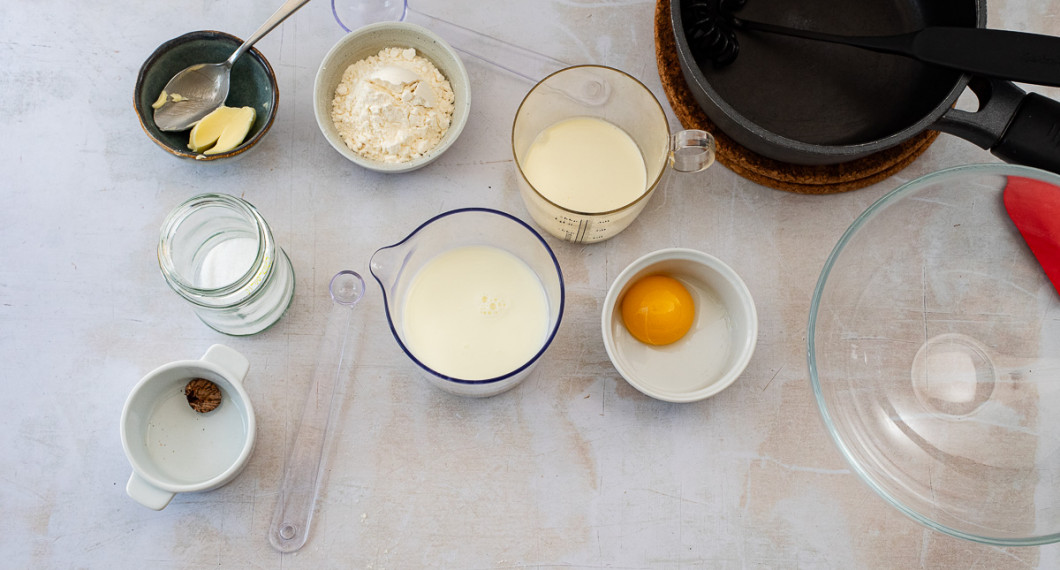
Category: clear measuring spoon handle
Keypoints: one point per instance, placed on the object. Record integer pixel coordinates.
(513, 59)
(516, 60)
(305, 462)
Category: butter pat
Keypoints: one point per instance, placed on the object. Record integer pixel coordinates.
(222, 130)
(161, 100)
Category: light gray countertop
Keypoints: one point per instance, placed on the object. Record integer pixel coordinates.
(573, 468)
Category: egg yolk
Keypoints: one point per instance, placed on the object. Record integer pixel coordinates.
(658, 310)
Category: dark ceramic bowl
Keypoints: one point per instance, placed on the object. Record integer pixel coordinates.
(253, 85)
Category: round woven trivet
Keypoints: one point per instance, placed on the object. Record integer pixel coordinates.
(802, 179)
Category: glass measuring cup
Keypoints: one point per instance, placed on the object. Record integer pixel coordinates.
(395, 267)
(513, 59)
(599, 92)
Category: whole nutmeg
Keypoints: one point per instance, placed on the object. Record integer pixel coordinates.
(203, 395)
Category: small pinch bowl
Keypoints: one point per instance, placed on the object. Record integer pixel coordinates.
(253, 85)
(692, 368)
(174, 449)
(368, 41)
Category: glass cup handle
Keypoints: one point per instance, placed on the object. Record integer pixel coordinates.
(691, 150)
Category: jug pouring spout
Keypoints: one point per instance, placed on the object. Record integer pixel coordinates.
(387, 265)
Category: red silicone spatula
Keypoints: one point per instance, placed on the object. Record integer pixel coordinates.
(1034, 206)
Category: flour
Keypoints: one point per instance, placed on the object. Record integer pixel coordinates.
(392, 107)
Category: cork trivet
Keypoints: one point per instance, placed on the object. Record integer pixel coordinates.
(798, 178)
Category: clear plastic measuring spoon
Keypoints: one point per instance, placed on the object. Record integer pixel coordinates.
(305, 462)
(519, 61)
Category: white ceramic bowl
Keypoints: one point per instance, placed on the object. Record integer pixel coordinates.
(368, 41)
(712, 355)
(174, 449)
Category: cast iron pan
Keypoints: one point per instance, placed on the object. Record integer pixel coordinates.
(806, 102)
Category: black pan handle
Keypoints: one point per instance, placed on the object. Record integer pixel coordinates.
(1005, 54)
(1017, 127)
(1033, 136)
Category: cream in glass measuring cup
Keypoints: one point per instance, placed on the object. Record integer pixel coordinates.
(591, 145)
(217, 252)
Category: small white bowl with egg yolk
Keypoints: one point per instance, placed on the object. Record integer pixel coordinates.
(688, 357)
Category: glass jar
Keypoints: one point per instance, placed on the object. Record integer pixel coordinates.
(217, 252)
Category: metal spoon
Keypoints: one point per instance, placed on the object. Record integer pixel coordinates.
(199, 89)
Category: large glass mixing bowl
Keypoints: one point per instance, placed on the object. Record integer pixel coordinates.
(934, 354)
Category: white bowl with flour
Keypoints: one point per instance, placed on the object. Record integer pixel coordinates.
(391, 96)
